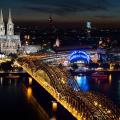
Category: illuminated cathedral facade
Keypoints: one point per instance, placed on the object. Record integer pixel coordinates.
(9, 42)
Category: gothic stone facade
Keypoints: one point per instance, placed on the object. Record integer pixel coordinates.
(9, 43)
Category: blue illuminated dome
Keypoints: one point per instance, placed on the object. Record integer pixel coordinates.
(79, 56)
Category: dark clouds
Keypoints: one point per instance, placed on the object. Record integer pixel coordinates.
(63, 9)
(58, 6)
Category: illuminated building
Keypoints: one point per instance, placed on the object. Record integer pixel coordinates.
(9, 42)
(88, 29)
(88, 25)
(79, 56)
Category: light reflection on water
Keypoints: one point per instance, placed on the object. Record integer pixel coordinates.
(17, 98)
(110, 79)
(29, 92)
(82, 82)
(109, 86)
(86, 83)
(119, 90)
(1, 80)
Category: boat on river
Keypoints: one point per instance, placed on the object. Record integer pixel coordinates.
(99, 75)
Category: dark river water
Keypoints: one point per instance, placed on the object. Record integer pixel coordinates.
(22, 100)
(16, 102)
(108, 84)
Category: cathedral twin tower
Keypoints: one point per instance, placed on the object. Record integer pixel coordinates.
(9, 43)
(10, 25)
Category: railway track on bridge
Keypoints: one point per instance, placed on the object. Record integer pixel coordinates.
(83, 106)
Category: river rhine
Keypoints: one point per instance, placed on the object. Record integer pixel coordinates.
(21, 99)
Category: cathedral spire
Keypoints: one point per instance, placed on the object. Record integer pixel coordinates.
(2, 26)
(1, 17)
(10, 25)
(57, 43)
(10, 17)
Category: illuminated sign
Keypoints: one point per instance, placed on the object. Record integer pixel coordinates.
(79, 55)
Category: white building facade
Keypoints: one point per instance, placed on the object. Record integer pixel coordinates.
(9, 42)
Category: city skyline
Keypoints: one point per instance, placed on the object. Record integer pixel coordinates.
(63, 11)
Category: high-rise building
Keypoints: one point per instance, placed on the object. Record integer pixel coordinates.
(88, 29)
(9, 42)
(88, 25)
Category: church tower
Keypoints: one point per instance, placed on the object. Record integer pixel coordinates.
(10, 25)
(2, 25)
(57, 43)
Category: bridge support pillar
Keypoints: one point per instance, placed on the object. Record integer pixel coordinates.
(54, 108)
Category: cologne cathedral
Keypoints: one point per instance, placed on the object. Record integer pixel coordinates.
(9, 42)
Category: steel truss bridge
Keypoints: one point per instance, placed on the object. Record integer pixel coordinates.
(82, 105)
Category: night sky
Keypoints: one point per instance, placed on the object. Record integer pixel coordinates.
(63, 10)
